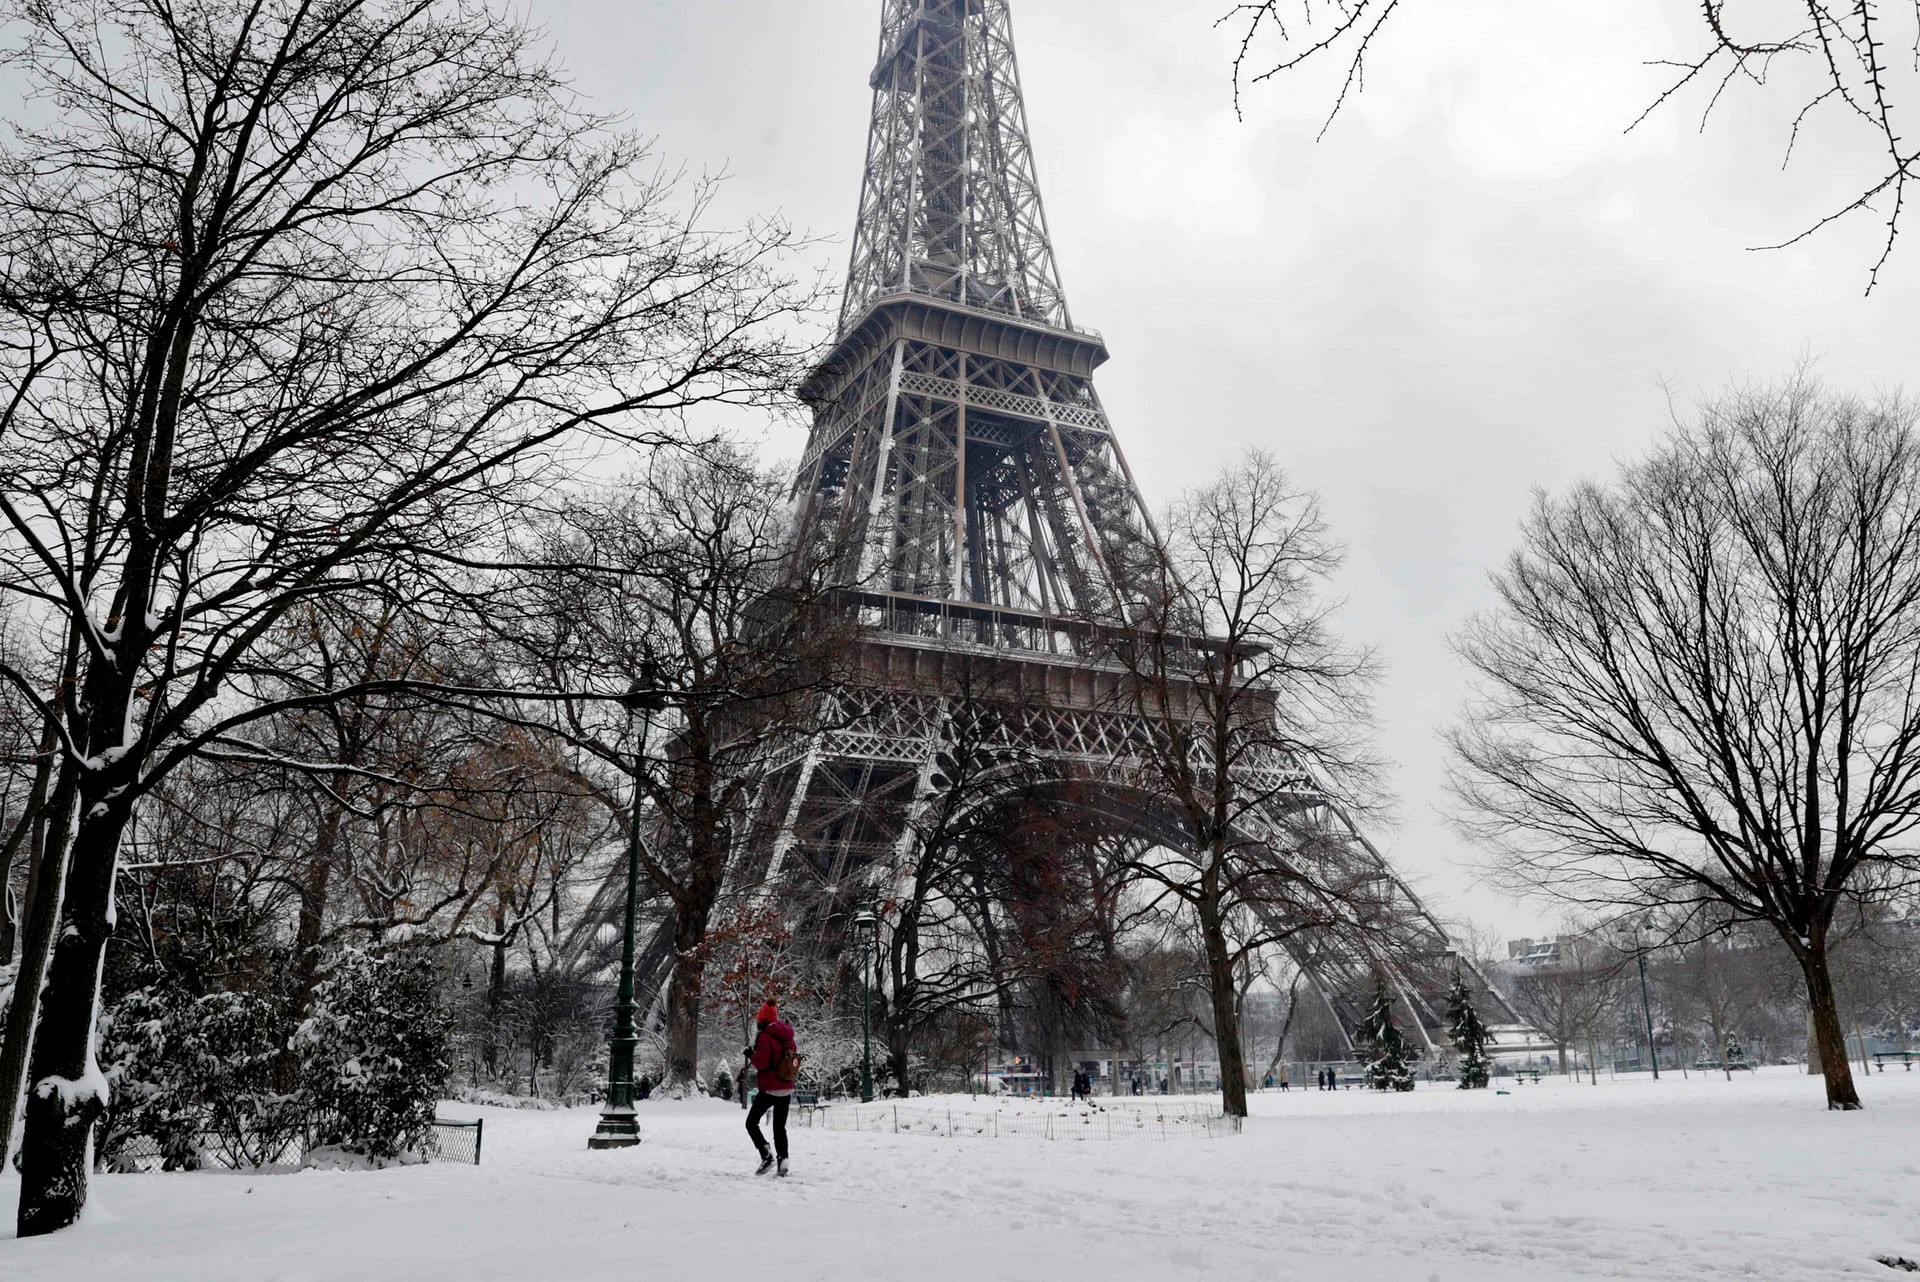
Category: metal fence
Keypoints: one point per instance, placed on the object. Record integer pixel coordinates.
(1108, 1122)
(445, 1142)
(135, 1153)
(454, 1142)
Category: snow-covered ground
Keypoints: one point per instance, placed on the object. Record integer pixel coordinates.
(1686, 1179)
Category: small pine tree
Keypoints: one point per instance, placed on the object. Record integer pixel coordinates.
(1470, 1035)
(1736, 1053)
(722, 1083)
(1389, 1058)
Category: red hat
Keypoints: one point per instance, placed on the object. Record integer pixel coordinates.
(766, 1014)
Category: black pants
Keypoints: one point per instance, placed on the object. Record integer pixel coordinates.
(761, 1104)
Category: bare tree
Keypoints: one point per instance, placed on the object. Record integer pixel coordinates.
(1567, 999)
(1877, 973)
(1055, 932)
(1701, 689)
(291, 296)
(1288, 1009)
(25, 771)
(1544, 995)
(1165, 997)
(681, 597)
(947, 874)
(1249, 704)
(1827, 58)
(1712, 979)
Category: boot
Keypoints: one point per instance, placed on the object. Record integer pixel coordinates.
(783, 1166)
(766, 1163)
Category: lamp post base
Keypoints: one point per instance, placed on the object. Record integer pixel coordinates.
(618, 1128)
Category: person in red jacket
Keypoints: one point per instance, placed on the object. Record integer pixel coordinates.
(775, 1093)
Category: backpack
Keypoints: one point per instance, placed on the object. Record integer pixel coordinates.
(787, 1067)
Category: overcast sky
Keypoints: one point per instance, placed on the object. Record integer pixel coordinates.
(1475, 285)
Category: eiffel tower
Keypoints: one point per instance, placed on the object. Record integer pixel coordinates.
(989, 516)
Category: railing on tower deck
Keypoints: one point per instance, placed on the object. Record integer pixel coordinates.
(901, 614)
(895, 293)
(947, 621)
(944, 622)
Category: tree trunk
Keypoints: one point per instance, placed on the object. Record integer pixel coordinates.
(314, 890)
(995, 955)
(683, 996)
(67, 1094)
(53, 841)
(1561, 1047)
(1717, 1019)
(683, 1023)
(496, 993)
(897, 1063)
(750, 1033)
(33, 827)
(1233, 1062)
(1830, 1042)
(1286, 1024)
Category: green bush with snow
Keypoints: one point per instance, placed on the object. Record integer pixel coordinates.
(230, 1078)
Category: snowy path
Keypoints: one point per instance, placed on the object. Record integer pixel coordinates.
(1697, 1179)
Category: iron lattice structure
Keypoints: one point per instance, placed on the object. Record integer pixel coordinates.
(963, 461)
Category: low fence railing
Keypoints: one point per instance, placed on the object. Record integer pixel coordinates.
(1107, 1122)
(445, 1141)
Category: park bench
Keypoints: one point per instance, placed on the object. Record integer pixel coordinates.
(808, 1110)
(1880, 1058)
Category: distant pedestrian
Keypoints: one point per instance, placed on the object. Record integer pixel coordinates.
(1266, 1083)
(1283, 1077)
(776, 1061)
(646, 1086)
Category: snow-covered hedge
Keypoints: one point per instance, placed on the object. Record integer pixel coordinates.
(194, 1076)
(230, 1079)
(375, 1055)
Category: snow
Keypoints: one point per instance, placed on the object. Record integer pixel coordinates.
(1684, 1179)
(91, 1086)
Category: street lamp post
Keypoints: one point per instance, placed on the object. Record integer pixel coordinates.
(1646, 1006)
(619, 1126)
(1646, 1011)
(869, 927)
